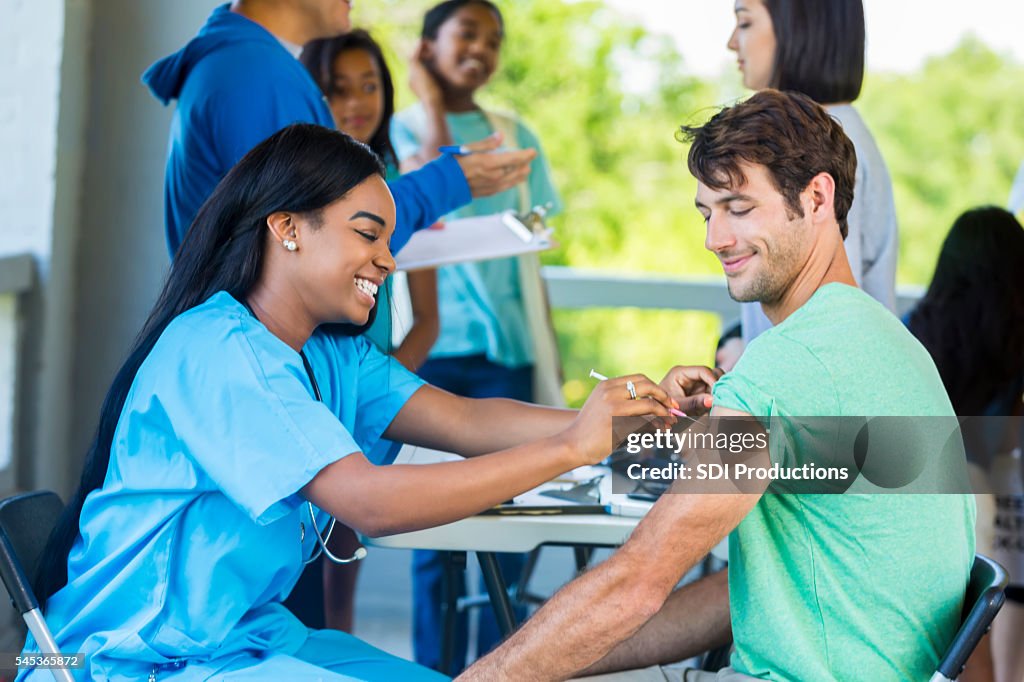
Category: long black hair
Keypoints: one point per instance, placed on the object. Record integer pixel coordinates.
(971, 319)
(819, 48)
(318, 57)
(300, 169)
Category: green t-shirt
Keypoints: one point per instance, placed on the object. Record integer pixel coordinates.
(851, 586)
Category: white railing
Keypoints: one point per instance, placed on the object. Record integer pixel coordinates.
(577, 288)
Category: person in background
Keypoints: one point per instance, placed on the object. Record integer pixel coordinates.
(239, 81)
(351, 71)
(354, 76)
(242, 420)
(971, 320)
(817, 48)
(484, 347)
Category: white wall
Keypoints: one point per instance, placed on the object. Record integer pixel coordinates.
(31, 46)
(83, 145)
(32, 50)
(121, 257)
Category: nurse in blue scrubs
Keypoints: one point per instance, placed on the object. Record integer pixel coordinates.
(238, 425)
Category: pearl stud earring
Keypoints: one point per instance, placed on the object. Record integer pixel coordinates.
(289, 244)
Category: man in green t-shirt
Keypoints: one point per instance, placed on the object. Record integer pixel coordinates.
(819, 586)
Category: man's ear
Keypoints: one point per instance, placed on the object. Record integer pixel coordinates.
(820, 198)
(282, 226)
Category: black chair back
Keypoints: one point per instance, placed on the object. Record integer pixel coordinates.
(25, 524)
(985, 596)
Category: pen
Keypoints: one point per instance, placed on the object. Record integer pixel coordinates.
(455, 149)
(594, 374)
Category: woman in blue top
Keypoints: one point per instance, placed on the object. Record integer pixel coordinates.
(351, 71)
(242, 404)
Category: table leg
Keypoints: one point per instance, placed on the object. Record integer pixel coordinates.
(498, 592)
(454, 565)
(583, 555)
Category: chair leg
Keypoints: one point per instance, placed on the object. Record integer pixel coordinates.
(47, 645)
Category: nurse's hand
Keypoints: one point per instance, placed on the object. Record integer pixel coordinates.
(591, 432)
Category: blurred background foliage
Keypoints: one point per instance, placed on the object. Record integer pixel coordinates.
(606, 96)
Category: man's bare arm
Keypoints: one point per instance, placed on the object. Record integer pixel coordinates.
(584, 621)
(694, 619)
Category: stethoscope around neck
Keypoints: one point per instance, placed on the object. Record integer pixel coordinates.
(321, 538)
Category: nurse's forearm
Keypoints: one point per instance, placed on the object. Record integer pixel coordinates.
(498, 424)
(437, 419)
(383, 500)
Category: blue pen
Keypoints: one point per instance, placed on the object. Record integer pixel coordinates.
(455, 149)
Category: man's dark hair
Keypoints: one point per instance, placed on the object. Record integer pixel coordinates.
(819, 48)
(787, 133)
(440, 13)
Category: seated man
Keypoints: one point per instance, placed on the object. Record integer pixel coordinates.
(819, 586)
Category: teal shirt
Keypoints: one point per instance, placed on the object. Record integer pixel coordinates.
(380, 331)
(479, 304)
(850, 586)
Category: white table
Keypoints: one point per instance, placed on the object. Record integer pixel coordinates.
(521, 533)
(487, 534)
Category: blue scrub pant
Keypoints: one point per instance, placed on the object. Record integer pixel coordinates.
(473, 377)
(326, 656)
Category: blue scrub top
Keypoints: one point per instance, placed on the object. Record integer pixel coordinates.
(195, 537)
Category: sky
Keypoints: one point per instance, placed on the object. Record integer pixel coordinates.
(901, 34)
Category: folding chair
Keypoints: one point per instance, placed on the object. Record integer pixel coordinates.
(985, 596)
(25, 524)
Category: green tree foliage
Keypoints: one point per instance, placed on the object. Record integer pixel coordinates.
(622, 175)
(606, 98)
(953, 137)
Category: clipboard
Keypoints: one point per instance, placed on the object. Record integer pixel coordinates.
(541, 502)
(545, 510)
(478, 238)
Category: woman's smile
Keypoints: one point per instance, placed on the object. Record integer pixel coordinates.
(367, 290)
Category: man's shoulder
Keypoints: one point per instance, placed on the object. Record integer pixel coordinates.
(776, 372)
